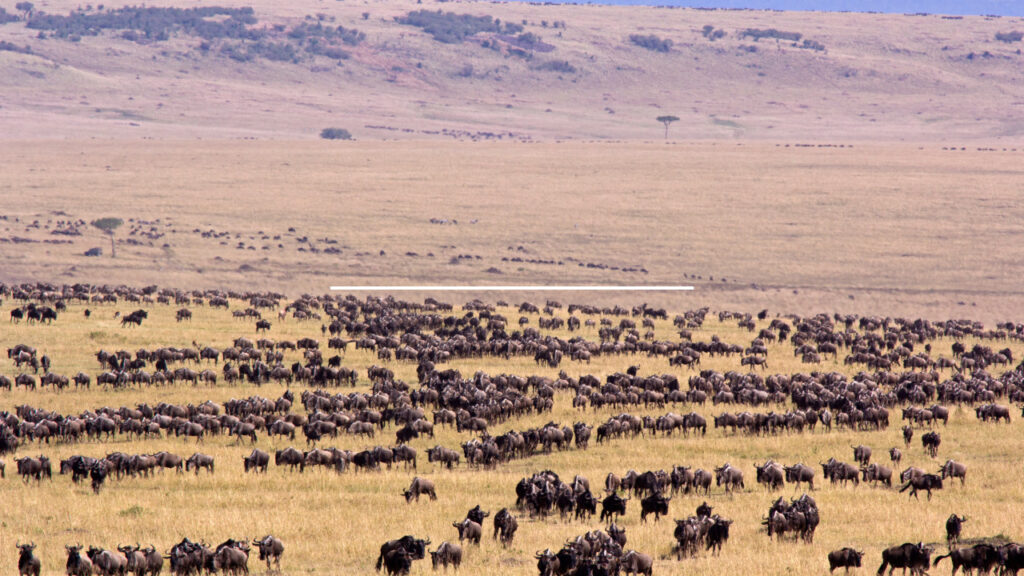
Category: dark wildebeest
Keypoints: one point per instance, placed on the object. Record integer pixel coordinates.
(613, 505)
(931, 441)
(916, 557)
(257, 461)
(469, 530)
(980, 556)
(107, 562)
(895, 455)
(862, 455)
(718, 534)
(414, 548)
(927, 482)
(199, 460)
(477, 515)
(548, 563)
(654, 504)
(845, 558)
(447, 553)
(505, 526)
(420, 486)
(633, 562)
(28, 563)
(876, 473)
(135, 561)
(954, 526)
(954, 469)
(77, 565)
(290, 457)
(800, 473)
(772, 475)
(270, 549)
(730, 476)
(908, 435)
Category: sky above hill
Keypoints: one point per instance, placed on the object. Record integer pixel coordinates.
(997, 7)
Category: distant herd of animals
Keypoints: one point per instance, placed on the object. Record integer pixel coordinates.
(904, 378)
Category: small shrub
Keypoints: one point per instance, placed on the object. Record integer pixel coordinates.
(561, 66)
(651, 42)
(1009, 37)
(335, 134)
(757, 34)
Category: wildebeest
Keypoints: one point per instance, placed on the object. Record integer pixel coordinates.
(199, 460)
(28, 563)
(844, 557)
(800, 473)
(469, 530)
(730, 476)
(420, 486)
(931, 441)
(413, 549)
(290, 457)
(77, 565)
(257, 460)
(613, 505)
(980, 556)
(908, 435)
(927, 482)
(656, 504)
(270, 548)
(876, 473)
(633, 562)
(916, 557)
(447, 553)
(505, 526)
(34, 468)
(954, 469)
(107, 562)
(231, 557)
(862, 455)
(771, 474)
(954, 526)
(895, 455)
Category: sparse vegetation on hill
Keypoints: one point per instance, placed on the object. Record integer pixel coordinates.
(316, 32)
(561, 66)
(10, 47)
(452, 28)
(6, 17)
(757, 34)
(711, 34)
(153, 23)
(335, 134)
(1010, 37)
(651, 42)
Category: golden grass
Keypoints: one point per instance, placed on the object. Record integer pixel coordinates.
(892, 230)
(333, 524)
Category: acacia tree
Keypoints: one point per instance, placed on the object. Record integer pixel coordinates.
(26, 7)
(666, 120)
(107, 226)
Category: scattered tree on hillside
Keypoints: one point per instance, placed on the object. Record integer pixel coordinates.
(107, 226)
(335, 134)
(666, 120)
(26, 7)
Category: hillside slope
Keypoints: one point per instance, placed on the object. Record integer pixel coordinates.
(543, 72)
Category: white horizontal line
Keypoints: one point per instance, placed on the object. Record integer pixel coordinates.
(512, 288)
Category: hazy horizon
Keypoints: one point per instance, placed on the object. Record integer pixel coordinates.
(952, 7)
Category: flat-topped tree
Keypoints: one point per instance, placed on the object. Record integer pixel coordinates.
(108, 225)
(666, 120)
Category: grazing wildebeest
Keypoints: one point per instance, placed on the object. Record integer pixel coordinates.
(613, 505)
(469, 530)
(199, 460)
(927, 482)
(954, 526)
(414, 549)
(77, 565)
(916, 557)
(28, 563)
(876, 473)
(262, 325)
(845, 558)
(257, 460)
(290, 457)
(447, 553)
(270, 548)
(954, 469)
(420, 486)
(895, 455)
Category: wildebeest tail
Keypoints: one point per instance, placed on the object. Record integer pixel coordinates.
(905, 486)
(380, 561)
(937, 558)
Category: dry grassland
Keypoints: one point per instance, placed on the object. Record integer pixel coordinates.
(333, 524)
(890, 229)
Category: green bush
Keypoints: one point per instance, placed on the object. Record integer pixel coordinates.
(757, 34)
(556, 66)
(452, 28)
(335, 134)
(1009, 37)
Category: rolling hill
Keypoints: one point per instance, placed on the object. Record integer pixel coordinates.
(476, 70)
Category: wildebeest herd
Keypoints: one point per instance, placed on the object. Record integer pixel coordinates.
(656, 393)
